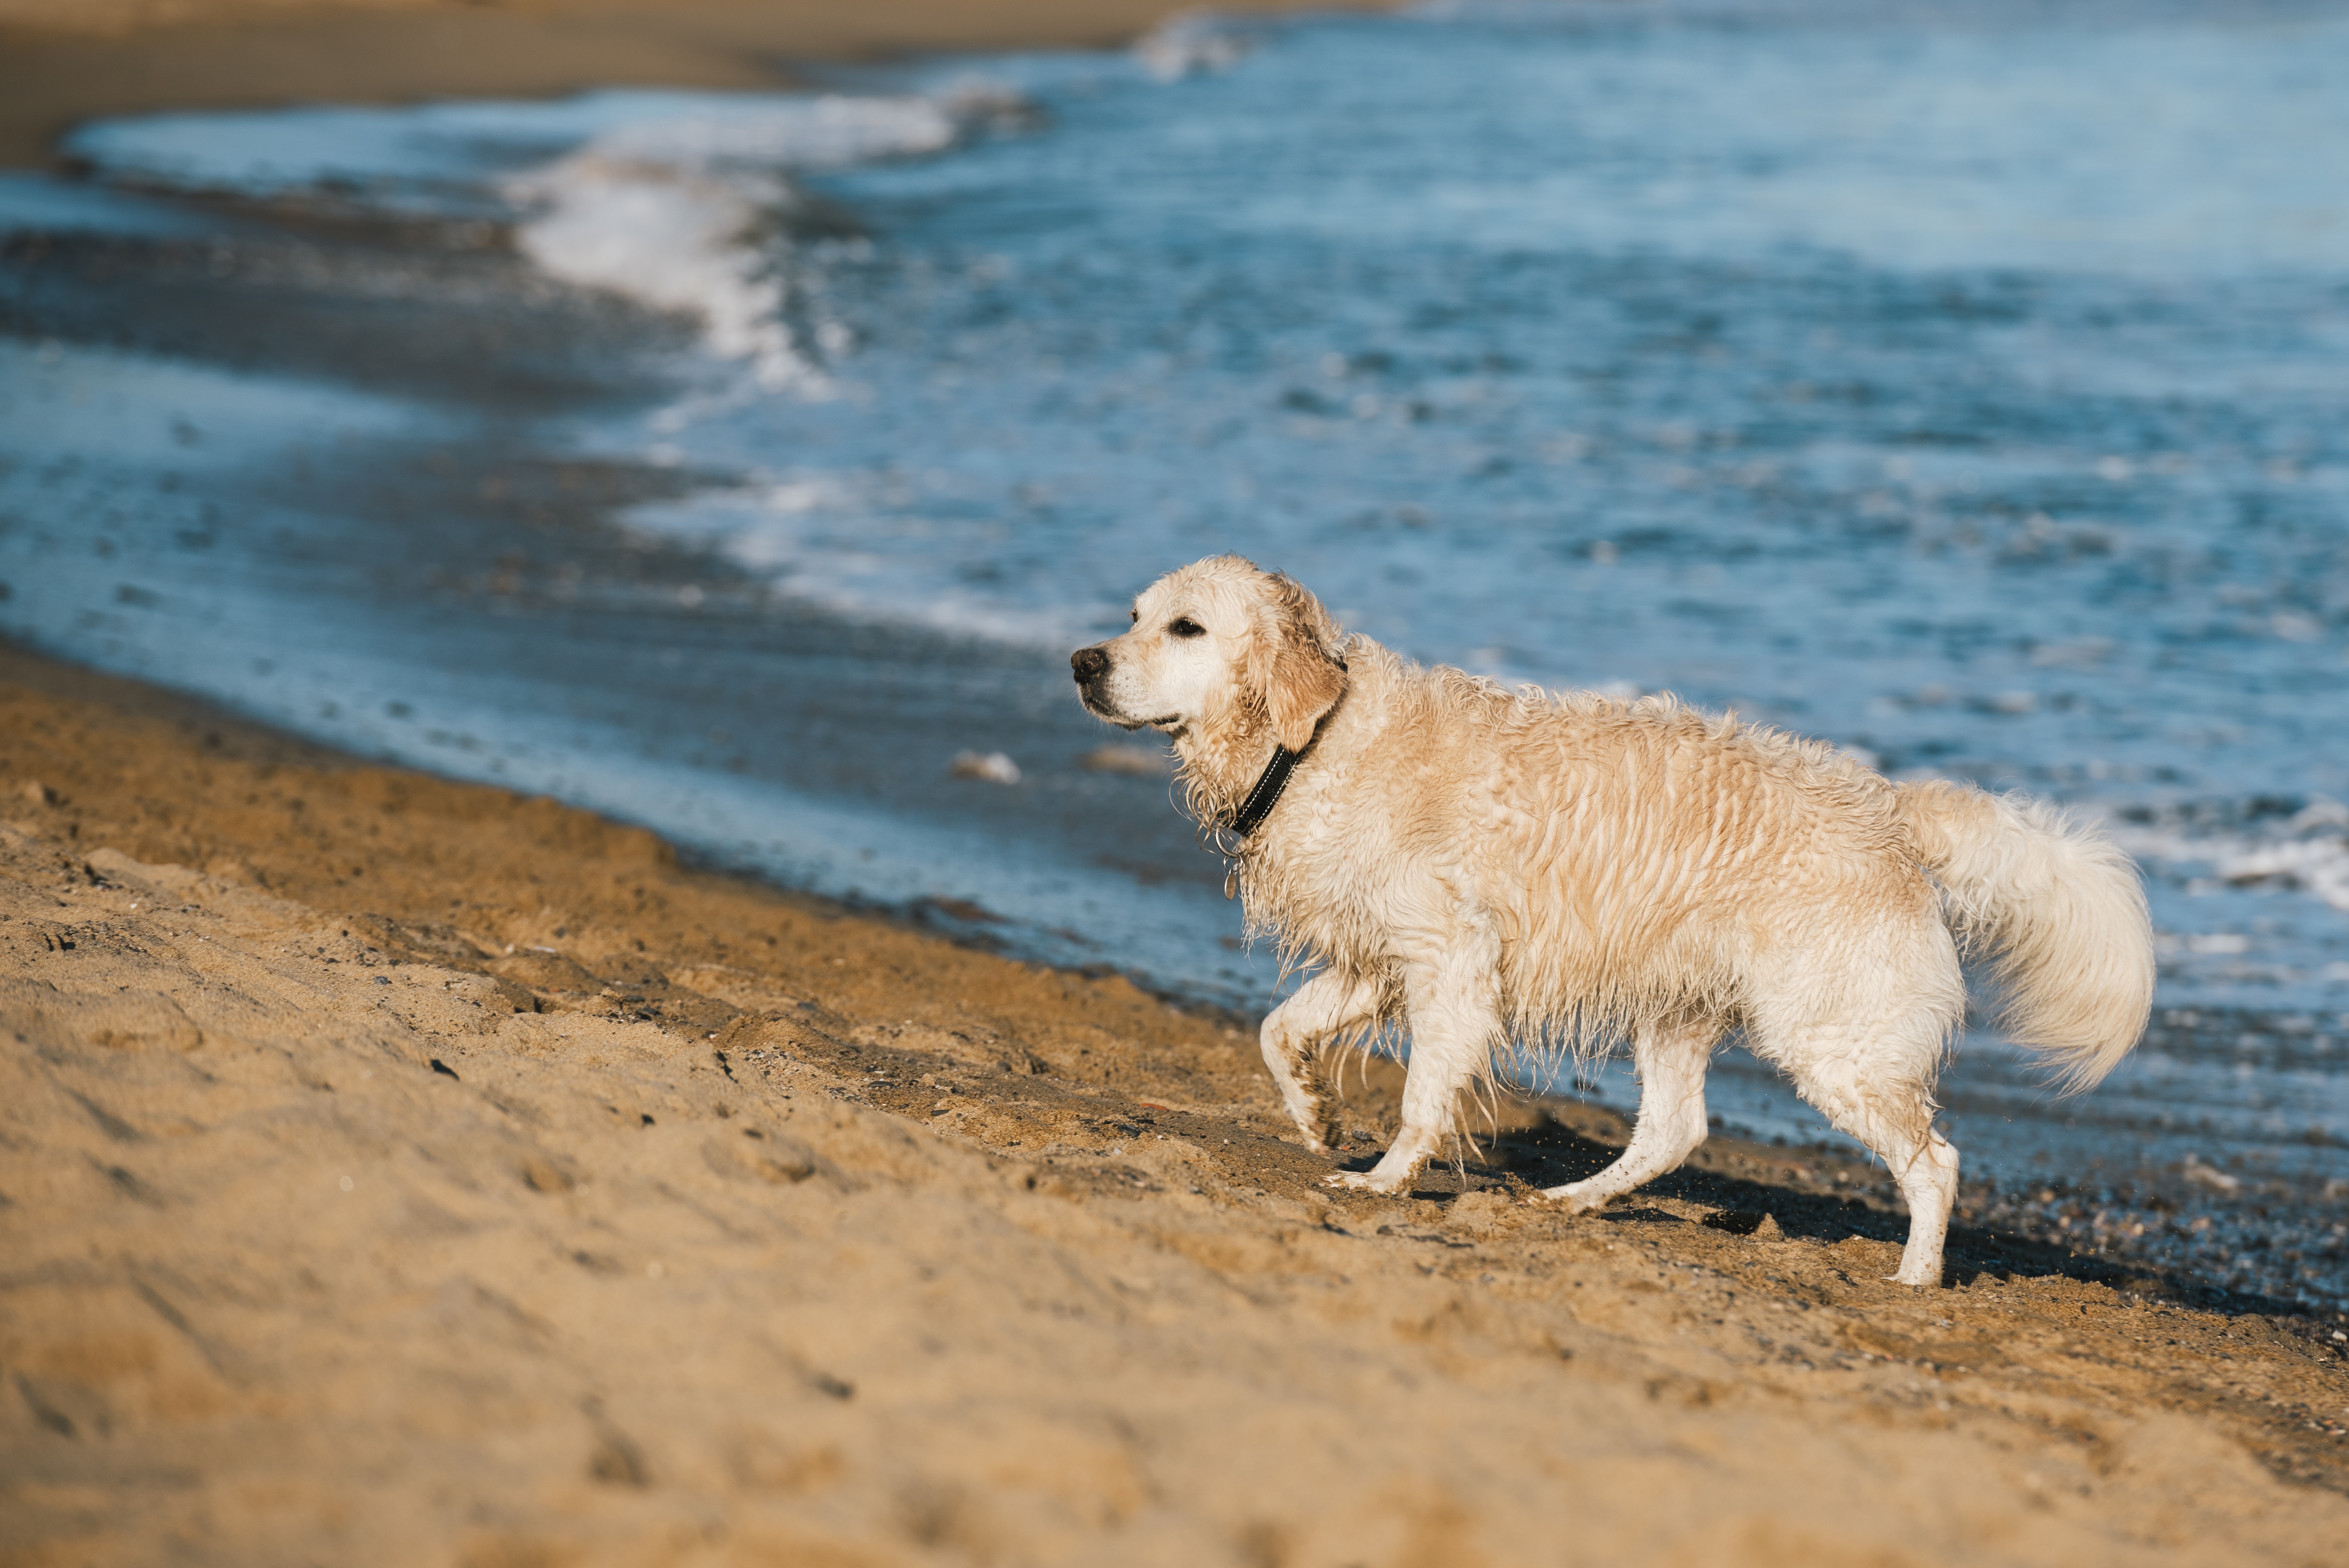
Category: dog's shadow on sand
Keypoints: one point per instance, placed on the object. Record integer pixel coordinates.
(1551, 1154)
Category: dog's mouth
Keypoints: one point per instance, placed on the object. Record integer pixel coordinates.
(1098, 706)
(1093, 671)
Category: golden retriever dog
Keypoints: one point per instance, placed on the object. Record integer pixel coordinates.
(1496, 870)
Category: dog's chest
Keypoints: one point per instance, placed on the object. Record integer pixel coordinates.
(1353, 897)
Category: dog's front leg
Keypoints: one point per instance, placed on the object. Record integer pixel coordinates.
(1323, 1005)
(1455, 1017)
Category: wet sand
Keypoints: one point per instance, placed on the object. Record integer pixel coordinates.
(63, 61)
(398, 1171)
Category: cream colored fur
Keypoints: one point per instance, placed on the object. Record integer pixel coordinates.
(1490, 868)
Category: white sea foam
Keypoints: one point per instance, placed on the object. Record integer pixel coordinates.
(2313, 858)
(680, 212)
(2199, 874)
(2317, 867)
(857, 547)
(1189, 44)
(2321, 866)
(670, 199)
(676, 239)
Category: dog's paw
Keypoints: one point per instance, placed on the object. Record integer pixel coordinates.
(1325, 1138)
(1574, 1197)
(1360, 1182)
(1313, 1134)
(1316, 1129)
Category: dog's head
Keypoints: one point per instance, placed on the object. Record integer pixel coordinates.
(1219, 649)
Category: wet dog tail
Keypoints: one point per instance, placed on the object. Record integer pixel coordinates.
(2057, 909)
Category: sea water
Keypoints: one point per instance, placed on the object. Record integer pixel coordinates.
(1968, 388)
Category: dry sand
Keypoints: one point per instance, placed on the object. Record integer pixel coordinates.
(394, 1170)
(62, 61)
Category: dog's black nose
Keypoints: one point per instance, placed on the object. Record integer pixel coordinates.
(1091, 663)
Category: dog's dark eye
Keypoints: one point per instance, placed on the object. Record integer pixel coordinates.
(1133, 615)
(1186, 627)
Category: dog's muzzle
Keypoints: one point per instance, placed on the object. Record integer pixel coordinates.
(1090, 666)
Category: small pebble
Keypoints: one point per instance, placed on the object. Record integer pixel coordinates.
(992, 768)
(1139, 761)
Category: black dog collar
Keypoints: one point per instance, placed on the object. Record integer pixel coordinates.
(1269, 787)
(1266, 793)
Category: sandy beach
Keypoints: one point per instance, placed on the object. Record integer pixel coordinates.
(395, 1170)
(62, 61)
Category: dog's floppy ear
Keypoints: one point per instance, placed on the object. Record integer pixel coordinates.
(1297, 666)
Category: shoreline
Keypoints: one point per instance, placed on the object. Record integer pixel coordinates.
(223, 56)
(364, 1123)
(504, 551)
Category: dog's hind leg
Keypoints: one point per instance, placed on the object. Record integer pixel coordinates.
(1895, 1118)
(1671, 1058)
(1860, 1025)
(1871, 1072)
(1927, 1170)
(1322, 1006)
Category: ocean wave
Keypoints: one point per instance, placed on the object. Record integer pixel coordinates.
(673, 199)
(679, 214)
(831, 540)
(1190, 43)
(2306, 850)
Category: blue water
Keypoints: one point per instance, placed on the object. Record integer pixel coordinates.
(1971, 390)
(1977, 396)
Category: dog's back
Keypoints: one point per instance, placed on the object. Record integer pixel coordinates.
(1635, 857)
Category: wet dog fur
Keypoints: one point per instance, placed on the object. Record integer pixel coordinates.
(1494, 870)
